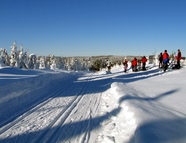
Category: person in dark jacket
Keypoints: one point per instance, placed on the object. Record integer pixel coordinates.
(134, 65)
(160, 60)
(144, 60)
(165, 60)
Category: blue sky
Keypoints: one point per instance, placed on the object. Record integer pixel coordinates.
(93, 27)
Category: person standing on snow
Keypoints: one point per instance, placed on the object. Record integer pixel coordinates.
(125, 65)
(178, 58)
(144, 60)
(108, 63)
(160, 60)
(134, 65)
(165, 60)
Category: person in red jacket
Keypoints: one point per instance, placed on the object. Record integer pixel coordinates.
(125, 65)
(134, 65)
(144, 60)
(165, 60)
(178, 58)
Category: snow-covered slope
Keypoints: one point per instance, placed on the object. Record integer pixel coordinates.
(66, 106)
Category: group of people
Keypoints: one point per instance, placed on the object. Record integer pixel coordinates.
(164, 60)
(135, 64)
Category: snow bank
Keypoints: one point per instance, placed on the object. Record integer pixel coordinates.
(158, 104)
(121, 124)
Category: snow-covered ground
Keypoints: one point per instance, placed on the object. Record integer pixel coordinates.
(66, 106)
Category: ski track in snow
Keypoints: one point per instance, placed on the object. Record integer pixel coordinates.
(91, 102)
(52, 127)
(40, 106)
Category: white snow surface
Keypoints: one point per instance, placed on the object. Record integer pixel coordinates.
(49, 106)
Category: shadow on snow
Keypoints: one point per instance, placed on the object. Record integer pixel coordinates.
(67, 131)
(169, 130)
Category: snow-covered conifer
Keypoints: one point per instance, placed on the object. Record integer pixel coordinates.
(37, 62)
(84, 67)
(25, 60)
(14, 61)
(53, 62)
(21, 57)
(32, 61)
(61, 65)
(42, 64)
(67, 65)
(4, 57)
(78, 65)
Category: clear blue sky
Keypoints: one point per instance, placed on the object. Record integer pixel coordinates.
(93, 27)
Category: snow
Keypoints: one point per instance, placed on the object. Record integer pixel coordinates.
(102, 107)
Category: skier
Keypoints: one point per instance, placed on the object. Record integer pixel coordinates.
(178, 58)
(165, 60)
(108, 63)
(125, 65)
(160, 60)
(144, 60)
(134, 65)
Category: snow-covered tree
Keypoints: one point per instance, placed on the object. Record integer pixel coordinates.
(42, 63)
(78, 62)
(32, 61)
(84, 67)
(53, 62)
(61, 65)
(67, 65)
(4, 57)
(2, 64)
(14, 61)
(37, 62)
(77, 65)
(25, 60)
(21, 57)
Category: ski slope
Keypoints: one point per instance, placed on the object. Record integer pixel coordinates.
(66, 106)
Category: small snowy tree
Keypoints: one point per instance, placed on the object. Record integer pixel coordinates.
(32, 61)
(67, 65)
(54, 65)
(84, 67)
(21, 57)
(37, 62)
(25, 60)
(14, 61)
(4, 57)
(78, 65)
(61, 65)
(53, 62)
(42, 63)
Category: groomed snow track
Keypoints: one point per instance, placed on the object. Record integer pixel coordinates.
(65, 107)
(47, 136)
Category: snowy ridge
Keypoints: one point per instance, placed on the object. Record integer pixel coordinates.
(66, 106)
